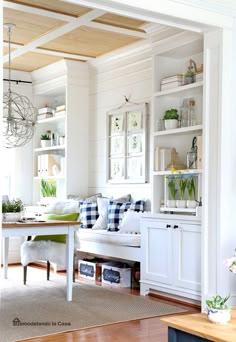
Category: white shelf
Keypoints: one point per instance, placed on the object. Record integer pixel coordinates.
(178, 210)
(178, 172)
(182, 130)
(179, 90)
(48, 177)
(52, 119)
(50, 148)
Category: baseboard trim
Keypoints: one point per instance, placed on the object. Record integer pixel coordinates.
(173, 300)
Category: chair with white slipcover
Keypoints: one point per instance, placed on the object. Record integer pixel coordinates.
(50, 248)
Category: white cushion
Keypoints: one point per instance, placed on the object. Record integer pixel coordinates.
(101, 222)
(111, 238)
(103, 203)
(130, 222)
(63, 207)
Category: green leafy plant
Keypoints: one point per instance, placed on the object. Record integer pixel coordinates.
(45, 137)
(171, 114)
(190, 72)
(14, 206)
(48, 188)
(191, 189)
(172, 189)
(182, 187)
(218, 303)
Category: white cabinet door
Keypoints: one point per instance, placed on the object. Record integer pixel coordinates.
(157, 251)
(187, 256)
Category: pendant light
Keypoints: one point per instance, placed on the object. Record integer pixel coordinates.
(19, 114)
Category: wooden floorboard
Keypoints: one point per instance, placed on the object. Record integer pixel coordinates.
(148, 329)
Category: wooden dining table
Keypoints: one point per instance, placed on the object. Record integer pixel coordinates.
(43, 228)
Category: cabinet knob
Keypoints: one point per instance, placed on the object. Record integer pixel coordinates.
(168, 226)
(176, 226)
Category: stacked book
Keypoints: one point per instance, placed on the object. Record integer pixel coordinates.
(44, 113)
(172, 82)
(60, 110)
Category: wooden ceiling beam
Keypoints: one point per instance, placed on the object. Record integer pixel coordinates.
(75, 23)
(68, 18)
(37, 11)
(121, 30)
(52, 52)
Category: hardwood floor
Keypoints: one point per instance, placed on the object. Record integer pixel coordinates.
(148, 329)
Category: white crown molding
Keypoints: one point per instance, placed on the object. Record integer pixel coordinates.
(226, 7)
(152, 28)
(168, 12)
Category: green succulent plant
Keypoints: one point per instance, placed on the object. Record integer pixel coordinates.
(218, 303)
(171, 114)
(45, 137)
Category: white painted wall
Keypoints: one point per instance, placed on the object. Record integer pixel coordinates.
(110, 80)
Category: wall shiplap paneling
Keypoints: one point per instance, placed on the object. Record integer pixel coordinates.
(130, 76)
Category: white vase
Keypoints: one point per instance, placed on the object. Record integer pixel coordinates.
(181, 203)
(171, 124)
(171, 203)
(191, 204)
(11, 217)
(45, 143)
(218, 316)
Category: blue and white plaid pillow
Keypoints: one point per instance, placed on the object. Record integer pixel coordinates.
(88, 214)
(116, 211)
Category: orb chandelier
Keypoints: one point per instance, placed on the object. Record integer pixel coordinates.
(19, 115)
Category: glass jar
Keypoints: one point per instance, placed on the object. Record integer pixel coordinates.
(191, 160)
(191, 114)
(184, 114)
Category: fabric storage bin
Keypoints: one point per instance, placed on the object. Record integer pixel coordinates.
(116, 274)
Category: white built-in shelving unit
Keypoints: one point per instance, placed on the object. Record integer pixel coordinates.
(63, 83)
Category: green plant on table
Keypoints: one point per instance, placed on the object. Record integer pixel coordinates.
(14, 206)
(171, 114)
(191, 189)
(45, 137)
(172, 189)
(48, 188)
(182, 188)
(218, 303)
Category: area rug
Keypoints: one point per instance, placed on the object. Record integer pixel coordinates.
(40, 308)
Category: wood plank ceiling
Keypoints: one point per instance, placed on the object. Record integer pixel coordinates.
(47, 31)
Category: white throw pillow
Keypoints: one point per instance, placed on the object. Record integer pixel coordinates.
(63, 207)
(130, 222)
(103, 203)
(101, 222)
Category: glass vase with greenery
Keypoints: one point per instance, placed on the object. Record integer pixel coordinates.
(48, 188)
(191, 202)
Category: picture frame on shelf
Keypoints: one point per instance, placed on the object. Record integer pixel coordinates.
(126, 144)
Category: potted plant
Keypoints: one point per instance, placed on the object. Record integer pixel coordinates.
(173, 191)
(191, 203)
(12, 210)
(48, 190)
(189, 76)
(45, 140)
(217, 311)
(181, 203)
(171, 117)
